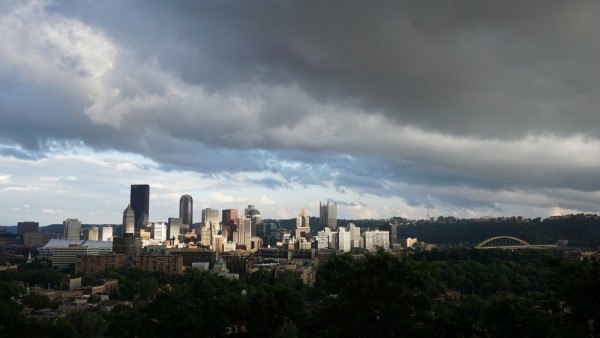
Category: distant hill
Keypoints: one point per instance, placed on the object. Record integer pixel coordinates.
(580, 230)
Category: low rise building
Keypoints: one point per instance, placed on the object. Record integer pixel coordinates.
(169, 264)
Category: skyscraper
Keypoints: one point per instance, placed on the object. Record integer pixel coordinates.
(72, 229)
(128, 220)
(175, 225)
(186, 209)
(328, 215)
(210, 216)
(140, 202)
(229, 222)
(302, 224)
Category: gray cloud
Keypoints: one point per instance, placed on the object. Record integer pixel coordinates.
(381, 99)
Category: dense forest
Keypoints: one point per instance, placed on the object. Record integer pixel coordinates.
(439, 293)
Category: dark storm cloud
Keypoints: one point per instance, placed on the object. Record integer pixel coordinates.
(471, 67)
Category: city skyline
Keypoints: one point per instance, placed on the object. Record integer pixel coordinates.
(402, 109)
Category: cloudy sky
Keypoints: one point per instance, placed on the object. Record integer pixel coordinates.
(467, 108)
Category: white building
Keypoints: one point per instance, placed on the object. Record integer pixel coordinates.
(377, 239)
(106, 233)
(323, 238)
(344, 240)
(159, 231)
(355, 238)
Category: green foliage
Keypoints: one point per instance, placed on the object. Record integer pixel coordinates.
(87, 324)
(374, 297)
(504, 294)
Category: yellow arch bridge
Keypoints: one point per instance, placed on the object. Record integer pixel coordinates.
(511, 243)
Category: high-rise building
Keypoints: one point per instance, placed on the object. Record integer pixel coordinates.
(140, 203)
(392, 228)
(206, 236)
(229, 222)
(159, 231)
(244, 230)
(302, 225)
(210, 216)
(255, 219)
(27, 227)
(128, 220)
(355, 238)
(328, 215)
(186, 209)
(72, 229)
(175, 225)
(92, 233)
(344, 240)
(106, 233)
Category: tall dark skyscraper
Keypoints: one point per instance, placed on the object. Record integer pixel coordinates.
(186, 209)
(140, 201)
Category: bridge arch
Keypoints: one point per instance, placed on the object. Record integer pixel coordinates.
(500, 242)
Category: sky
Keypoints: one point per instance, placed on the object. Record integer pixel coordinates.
(399, 108)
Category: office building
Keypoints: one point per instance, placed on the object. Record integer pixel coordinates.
(328, 215)
(344, 242)
(244, 230)
(128, 220)
(302, 225)
(129, 246)
(140, 203)
(72, 229)
(323, 239)
(210, 216)
(355, 238)
(230, 222)
(392, 228)
(27, 227)
(159, 231)
(91, 234)
(186, 209)
(377, 239)
(255, 219)
(206, 235)
(63, 252)
(106, 233)
(175, 225)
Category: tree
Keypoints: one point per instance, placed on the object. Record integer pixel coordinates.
(87, 324)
